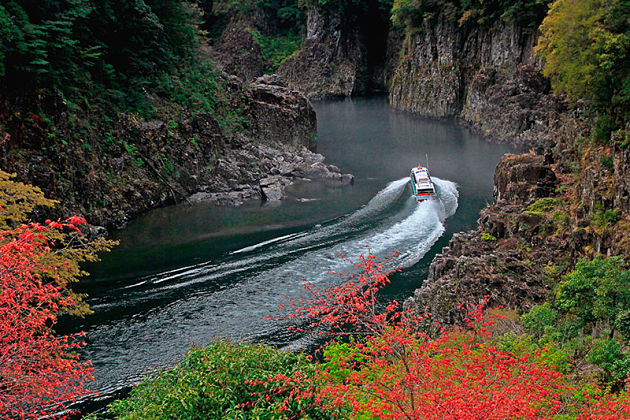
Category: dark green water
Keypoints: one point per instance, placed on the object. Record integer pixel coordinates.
(185, 275)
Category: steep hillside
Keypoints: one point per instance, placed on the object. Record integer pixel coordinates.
(141, 128)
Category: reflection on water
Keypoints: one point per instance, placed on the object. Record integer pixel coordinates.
(184, 275)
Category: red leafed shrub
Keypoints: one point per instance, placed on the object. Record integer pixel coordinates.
(393, 372)
(39, 371)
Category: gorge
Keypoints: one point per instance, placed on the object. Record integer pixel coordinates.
(285, 140)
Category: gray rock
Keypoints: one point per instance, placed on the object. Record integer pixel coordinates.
(271, 79)
(272, 188)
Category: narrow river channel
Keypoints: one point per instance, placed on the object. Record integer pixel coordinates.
(185, 275)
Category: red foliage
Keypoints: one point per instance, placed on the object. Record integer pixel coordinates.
(39, 372)
(350, 308)
(395, 372)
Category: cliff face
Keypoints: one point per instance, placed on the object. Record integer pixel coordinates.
(487, 77)
(344, 52)
(329, 62)
(128, 165)
(238, 53)
(504, 259)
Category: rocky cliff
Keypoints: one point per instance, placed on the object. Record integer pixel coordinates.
(128, 165)
(329, 63)
(487, 77)
(549, 210)
(344, 52)
(504, 259)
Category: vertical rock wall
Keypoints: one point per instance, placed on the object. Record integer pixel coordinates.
(487, 77)
(329, 62)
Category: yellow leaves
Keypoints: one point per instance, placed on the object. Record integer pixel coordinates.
(69, 247)
(576, 46)
(17, 201)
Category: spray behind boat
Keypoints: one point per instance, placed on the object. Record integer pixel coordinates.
(421, 184)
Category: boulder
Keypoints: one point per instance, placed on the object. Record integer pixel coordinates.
(523, 178)
(272, 188)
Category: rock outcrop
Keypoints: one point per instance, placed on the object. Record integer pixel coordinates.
(504, 259)
(329, 62)
(237, 52)
(255, 171)
(279, 114)
(142, 164)
(344, 51)
(487, 77)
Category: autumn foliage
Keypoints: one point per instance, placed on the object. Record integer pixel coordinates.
(39, 371)
(393, 371)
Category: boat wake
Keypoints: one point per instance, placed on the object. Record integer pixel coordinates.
(231, 297)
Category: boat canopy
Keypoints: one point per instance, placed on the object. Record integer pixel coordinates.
(421, 182)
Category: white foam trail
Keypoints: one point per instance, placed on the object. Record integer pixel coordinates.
(261, 244)
(412, 236)
(383, 199)
(448, 195)
(411, 232)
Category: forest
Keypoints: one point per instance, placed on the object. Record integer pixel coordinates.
(80, 82)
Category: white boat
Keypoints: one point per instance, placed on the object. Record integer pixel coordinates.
(421, 184)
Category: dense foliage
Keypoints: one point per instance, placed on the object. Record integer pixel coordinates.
(584, 42)
(72, 45)
(39, 371)
(223, 380)
(585, 46)
(387, 370)
(411, 13)
(587, 317)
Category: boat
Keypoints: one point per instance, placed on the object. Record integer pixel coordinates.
(421, 184)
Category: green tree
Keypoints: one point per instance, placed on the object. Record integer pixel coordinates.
(70, 45)
(584, 45)
(222, 381)
(597, 290)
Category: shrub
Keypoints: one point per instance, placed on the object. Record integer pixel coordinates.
(604, 219)
(540, 317)
(542, 205)
(607, 354)
(602, 130)
(488, 237)
(411, 13)
(223, 380)
(276, 49)
(560, 219)
(597, 290)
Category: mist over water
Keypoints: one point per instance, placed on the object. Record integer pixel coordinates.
(185, 275)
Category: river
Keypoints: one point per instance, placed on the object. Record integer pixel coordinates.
(184, 275)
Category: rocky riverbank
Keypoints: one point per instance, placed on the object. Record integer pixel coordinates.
(504, 258)
(175, 157)
(549, 210)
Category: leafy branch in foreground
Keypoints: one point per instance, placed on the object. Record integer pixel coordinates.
(39, 371)
(393, 371)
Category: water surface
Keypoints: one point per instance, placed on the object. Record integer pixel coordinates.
(184, 275)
